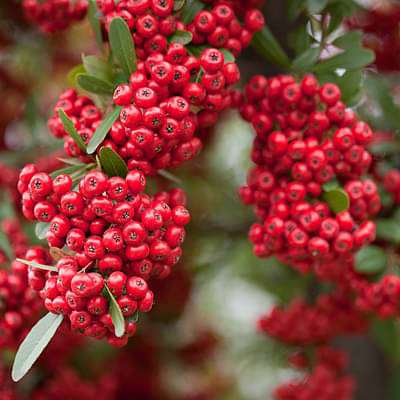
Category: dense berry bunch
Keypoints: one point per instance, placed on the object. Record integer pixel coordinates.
(120, 237)
(152, 22)
(19, 304)
(326, 381)
(306, 139)
(54, 15)
(84, 114)
(220, 27)
(162, 109)
(303, 324)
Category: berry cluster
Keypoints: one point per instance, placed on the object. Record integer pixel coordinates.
(303, 324)
(326, 381)
(19, 304)
(219, 27)
(305, 139)
(119, 234)
(83, 113)
(381, 298)
(156, 127)
(54, 15)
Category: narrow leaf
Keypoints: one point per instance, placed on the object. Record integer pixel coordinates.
(93, 15)
(316, 6)
(178, 4)
(73, 73)
(307, 59)
(354, 58)
(34, 264)
(111, 163)
(122, 45)
(337, 199)
(5, 245)
(101, 132)
(71, 130)
(167, 175)
(370, 260)
(268, 47)
(68, 170)
(34, 344)
(182, 37)
(69, 161)
(116, 315)
(94, 85)
(228, 56)
(41, 229)
(388, 230)
(190, 10)
(97, 67)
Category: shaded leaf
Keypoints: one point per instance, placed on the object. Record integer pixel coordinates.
(228, 56)
(5, 246)
(116, 315)
(316, 6)
(71, 130)
(349, 59)
(94, 85)
(111, 163)
(389, 230)
(34, 344)
(182, 37)
(178, 4)
(337, 199)
(97, 67)
(122, 46)
(307, 59)
(93, 16)
(190, 10)
(73, 73)
(68, 170)
(101, 132)
(41, 229)
(268, 47)
(370, 260)
(37, 265)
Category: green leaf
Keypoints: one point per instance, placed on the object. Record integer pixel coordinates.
(73, 73)
(370, 260)
(70, 128)
(122, 46)
(68, 170)
(111, 163)
(94, 85)
(116, 315)
(228, 56)
(388, 230)
(386, 335)
(70, 161)
(337, 199)
(190, 10)
(97, 67)
(134, 318)
(316, 6)
(350, 59)
(5, 245)
(101, 132)
(182, 37)
(37, 265)
(268, 47)
(178, 4)
(41, 229)
(93, 16)
(307, 59)
(34, 344)
(349, 40)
